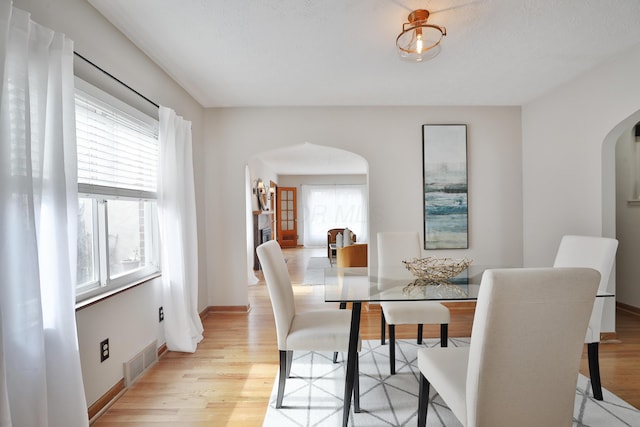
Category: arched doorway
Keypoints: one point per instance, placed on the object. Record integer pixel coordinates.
(621, 205)
(292, 167)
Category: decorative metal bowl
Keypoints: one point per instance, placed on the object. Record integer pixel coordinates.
(432, 270)
(435, 290)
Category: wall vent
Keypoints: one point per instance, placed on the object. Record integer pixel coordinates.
(139, 363)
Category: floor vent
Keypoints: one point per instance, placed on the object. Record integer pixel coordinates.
(140, 363)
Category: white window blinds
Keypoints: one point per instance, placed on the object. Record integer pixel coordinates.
(117, 151)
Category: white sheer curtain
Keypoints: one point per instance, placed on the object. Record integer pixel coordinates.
(178, 233)
(39, 357)
(334, 206)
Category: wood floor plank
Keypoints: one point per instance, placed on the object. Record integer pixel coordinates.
(228, 381)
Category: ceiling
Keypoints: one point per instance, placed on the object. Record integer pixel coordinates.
(242, 53)
(231, 53)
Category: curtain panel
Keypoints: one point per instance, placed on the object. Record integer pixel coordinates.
(334, 206)
(178, 233)
(40, 374)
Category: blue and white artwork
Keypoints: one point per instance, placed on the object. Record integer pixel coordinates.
(444, 149)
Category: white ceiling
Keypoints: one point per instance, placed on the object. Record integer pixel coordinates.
(342, 52)
(230, 53)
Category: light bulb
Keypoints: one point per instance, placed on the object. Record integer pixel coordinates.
(419, 43)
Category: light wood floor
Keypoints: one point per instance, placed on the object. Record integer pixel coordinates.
(228, 380)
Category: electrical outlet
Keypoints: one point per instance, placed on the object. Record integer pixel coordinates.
(104, 350)
(160, 314)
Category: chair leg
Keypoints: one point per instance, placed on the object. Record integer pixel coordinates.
(382, 328)
(444, 335)
(419, 340)
(282, 377)
(423, 401)
(594, 370)
(343, 305)
(289, 361)
(392, 349)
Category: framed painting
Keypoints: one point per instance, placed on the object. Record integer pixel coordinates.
(444, 166)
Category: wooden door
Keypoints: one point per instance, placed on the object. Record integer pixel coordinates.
(286, 217)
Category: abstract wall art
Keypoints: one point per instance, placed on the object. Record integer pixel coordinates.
(444, 157)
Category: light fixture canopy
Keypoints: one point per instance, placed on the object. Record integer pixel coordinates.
(419, 40)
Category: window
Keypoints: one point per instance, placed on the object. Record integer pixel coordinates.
(117, 177)
(334, 206)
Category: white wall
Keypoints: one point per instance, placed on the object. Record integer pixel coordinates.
(129, 320)
(390, 139)
(568, 140)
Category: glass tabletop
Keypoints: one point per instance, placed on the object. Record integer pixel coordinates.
(356, 284)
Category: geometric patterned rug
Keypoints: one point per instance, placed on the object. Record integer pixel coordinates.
(313, 393)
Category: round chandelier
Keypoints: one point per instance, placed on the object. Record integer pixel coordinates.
(418, 40)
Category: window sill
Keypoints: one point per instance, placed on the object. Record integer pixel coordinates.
(98, 298)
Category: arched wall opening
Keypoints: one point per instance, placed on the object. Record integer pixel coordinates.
(294, 166)
(621, 206)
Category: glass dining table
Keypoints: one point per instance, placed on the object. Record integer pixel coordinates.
(356, 285)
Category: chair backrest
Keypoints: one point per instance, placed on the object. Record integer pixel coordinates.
(394, 247)
(594, 252)
(278, 281)
(526, 345)
(353, 255)
(331, 235)
(331, 238)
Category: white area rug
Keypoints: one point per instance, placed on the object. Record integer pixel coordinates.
(314, 274)
(313, 393)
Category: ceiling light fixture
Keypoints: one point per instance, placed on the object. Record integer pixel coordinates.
(418, 40)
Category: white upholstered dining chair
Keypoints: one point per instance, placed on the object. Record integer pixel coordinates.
(319, 330)
(521, 367)
(393, 248)
(598, 253)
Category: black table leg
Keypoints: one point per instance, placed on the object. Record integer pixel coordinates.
(351, 361)
(343, 305)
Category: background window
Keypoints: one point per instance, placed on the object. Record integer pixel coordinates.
(334, 206)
